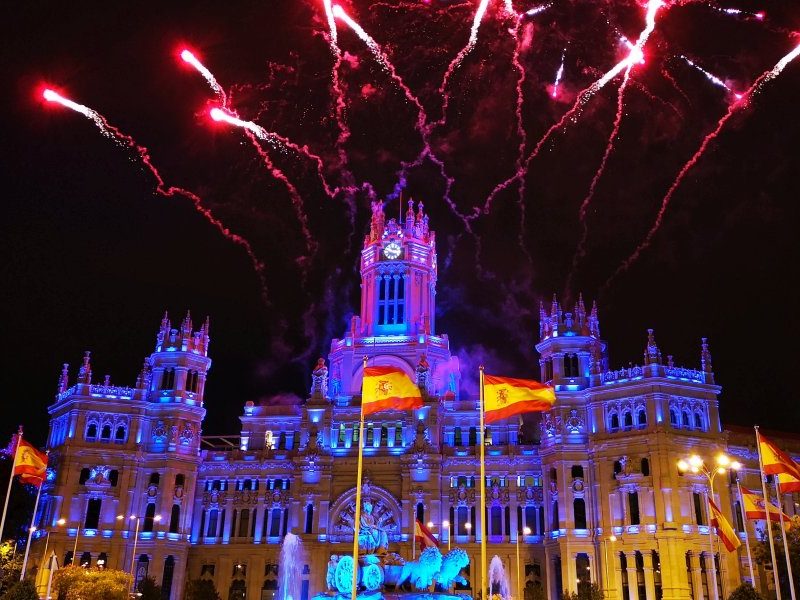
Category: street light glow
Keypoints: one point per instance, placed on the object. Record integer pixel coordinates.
(526, 531)
(446, 524)
(723, 460)
(695, 461)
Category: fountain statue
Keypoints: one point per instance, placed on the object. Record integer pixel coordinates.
(384, 575)
(498, 579)
(290, 569)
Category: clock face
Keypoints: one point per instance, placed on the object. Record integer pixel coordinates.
(392, 250)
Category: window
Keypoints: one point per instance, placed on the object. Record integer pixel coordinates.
(457, 440)
(192, 381)
(85, 473)
(86, 559)
(496, 521)
(641, 418)
(463, 519)
(698, 509)
(579, 508)
(342, 435)
(737, 509)
(548, 369)
(473, 437)
(420, 512)
(168, 379)
(555, 523)
(384, 436)
(687, 419)
(698, 420)
(673, 418)
(281, 441)
(213, 516)
(639, 559)
(530, 519)
(617, 469)
(180, 480)
(657, 574)
(120, 434)
(102, 560)
(149, 517)
(275, 523)
(391, 299)
(175, 518)
(244, 522)
(356, 433)
(487, 436)
(155, 478)
(633, 506)
(577, 472)
(113, 477)
(398, 434)
(614, 425)
(645, 467)
(689, 574)
(309, 524)
(91, 431)
(627, 419)
(92, 513)
(370, 441)
(105, 433)
(166, 581)
(571, 365)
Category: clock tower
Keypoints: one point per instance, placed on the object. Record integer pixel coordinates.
(398, 275)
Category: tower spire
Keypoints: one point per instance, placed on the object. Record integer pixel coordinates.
(63, 379)
(652, 355)
(85, 372)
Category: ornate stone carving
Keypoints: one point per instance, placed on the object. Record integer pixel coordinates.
(276, 498)
(530, 494)
(245, 497)
(574, 422)
(214, 498)
(187, 434)
(159, 432)
(319, 380)
(462, 496)
(497, 495)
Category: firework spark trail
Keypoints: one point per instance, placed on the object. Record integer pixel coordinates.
(188, 57)
(559, 74)
(737, 12)
(733, 109)
(162, 188)
(574, 112)
(668, 76)
(711, 77)
(255, 133)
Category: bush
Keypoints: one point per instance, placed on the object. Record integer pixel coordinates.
(745, 592)
(22, 590)
(77, 583)
(149, 590)
(200, 589)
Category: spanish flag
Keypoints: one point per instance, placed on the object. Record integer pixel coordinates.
(775, 461)
(388, 388)
(755, 508)
(724, 529)
(788, 483)
(29, 463)
(423, 536)
(505, 397)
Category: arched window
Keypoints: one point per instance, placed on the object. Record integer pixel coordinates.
(687, 419)
(641, 417)
(105, 433)
(698, 420)
(149, 517)
(627, 419)
(614, 422)
(120, 434)
(673, 417)
(102, 560)
(579, 508)
(91, 431)
(175, 518)
(391, 300)
(93, 513)
(309, 524)
(166, 579)
(237, 590)
(86, 559)
(84, 477)
(645, 467)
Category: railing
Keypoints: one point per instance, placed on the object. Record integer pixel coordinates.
(636, 372)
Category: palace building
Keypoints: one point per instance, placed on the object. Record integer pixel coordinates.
(596, 498)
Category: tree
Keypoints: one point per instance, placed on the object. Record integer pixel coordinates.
(590, 591)
(22, 590)
(200, 589)
(761, 553)
(77, 583)
(149, 590)
(745, 592)
(10, 566)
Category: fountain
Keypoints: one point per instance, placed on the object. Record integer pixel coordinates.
(498, 579)
(384, 575)
(290, 568)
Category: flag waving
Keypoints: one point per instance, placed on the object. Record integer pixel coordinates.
(29, 463)
(788, 483)
(724, 529)
(755, 507)
(505, 397)
(388, 388)
(776, 461)
(423, 536)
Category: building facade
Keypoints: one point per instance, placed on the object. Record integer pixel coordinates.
(596, 498)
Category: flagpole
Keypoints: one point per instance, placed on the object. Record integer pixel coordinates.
(50, 576)
(746, 535)
(30, 531)
(767, 516)
(784, 536)
(10, 481)
(484, 592)
(359, 469)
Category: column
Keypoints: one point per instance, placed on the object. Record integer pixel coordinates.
(615, 568)
(571, 573)
(697, 576)
(633, 583)
(649, 581)
(259, 517)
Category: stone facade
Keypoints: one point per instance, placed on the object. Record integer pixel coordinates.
(597, 485)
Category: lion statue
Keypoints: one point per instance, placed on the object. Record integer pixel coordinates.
(452, 564)
(422, 572)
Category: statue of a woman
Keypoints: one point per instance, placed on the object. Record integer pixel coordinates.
(372, 539)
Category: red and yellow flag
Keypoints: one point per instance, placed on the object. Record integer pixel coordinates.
(423, 536)
(505, 397)
(755, 507)
(724, 529)
(388, 388)
(788, 483)
(775, 461)
(29, 463)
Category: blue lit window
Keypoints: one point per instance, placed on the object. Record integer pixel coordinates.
(391, 300)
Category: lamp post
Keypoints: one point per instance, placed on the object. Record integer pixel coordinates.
(612, 538)
(525, 531)
(722, 463)
(156, 519)
(446, 527)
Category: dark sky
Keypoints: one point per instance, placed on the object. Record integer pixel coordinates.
(92, 256)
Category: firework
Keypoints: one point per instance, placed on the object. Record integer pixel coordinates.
(711, 77)
(559, 74)
(188, 57)
(161, 188)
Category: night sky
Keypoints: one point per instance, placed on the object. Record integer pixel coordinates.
(92, 256)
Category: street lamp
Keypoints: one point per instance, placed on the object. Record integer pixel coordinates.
(695, 465)
(446, 526)
(156, 519)
(525, 531)
(468, 527)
